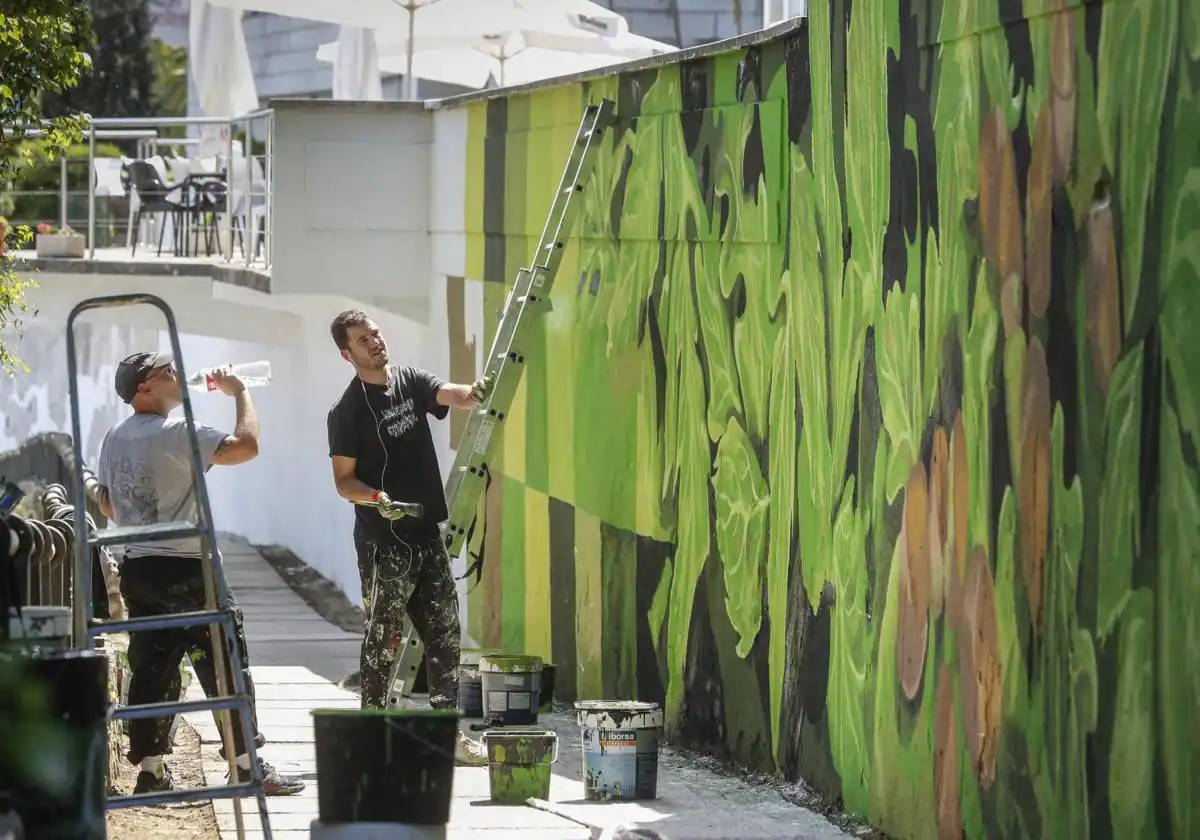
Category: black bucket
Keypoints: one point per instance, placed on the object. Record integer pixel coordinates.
(54, 742)
(470, 683)
(510, 688)
(385, 765)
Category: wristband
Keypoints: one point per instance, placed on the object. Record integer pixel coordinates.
(375, 496)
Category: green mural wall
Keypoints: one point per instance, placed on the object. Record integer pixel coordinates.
(863, 433)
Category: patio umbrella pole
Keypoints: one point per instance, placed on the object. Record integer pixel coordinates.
(410, 83)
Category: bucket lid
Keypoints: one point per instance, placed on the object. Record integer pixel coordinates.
(510, 664)
(618, 714)
(391, 712)
(517, 732)
(471, 656)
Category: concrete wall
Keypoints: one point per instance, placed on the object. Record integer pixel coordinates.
(352, 200)
(863, 432)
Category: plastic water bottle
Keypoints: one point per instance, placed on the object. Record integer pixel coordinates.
(252, 374)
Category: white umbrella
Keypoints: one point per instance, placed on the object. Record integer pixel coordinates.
(415, 21)
(219, 64)
(356, 69)
(511, 57)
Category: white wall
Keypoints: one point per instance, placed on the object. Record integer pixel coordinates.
(286, 495)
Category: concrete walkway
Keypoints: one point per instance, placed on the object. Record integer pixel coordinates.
(296, 660)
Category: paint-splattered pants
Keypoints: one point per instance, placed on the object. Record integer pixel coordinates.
(414, 579)
(162, 586)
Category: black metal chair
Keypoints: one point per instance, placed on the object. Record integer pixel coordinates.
(212, 193)
(155, 197)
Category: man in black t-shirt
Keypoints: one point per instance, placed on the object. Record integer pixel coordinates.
(382, 452)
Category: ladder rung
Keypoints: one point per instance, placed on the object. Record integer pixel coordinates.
(160, 532)
(161, 622)
(200, 794)
(153, 710)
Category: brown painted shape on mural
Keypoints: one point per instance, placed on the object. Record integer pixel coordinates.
(946, 759)
(980, 679)
(1102, 294)
(1033, 495)
(1062, 88)
(915, 582)
(462, 349)
(939, 520)
(960, 493)
(999, 199)
(1010, 304)
(1039, 220)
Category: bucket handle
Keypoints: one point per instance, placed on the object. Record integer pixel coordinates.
(554, 755)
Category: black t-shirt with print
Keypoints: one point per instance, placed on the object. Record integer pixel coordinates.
(387, 430)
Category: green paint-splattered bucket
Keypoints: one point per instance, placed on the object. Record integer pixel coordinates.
(510, 689)
(519, 764)
(385, 765)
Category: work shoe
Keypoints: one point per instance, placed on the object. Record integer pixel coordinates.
(274, 783)
(469, 753)
(148, 782)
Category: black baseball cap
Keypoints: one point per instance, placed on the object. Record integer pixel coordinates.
(136, 369)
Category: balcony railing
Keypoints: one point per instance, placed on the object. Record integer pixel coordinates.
(242, 173)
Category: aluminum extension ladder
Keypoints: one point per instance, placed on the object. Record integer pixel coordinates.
(217, 613)
(528, 297)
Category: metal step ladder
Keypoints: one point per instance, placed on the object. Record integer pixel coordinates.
(528, 297)
(217, 614)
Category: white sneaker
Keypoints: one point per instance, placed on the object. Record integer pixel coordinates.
(468, 752)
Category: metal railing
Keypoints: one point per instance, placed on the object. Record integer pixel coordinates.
(148, 132)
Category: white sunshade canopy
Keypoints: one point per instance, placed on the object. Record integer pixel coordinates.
(219, 65)
(356, 69)
(442, 26)
(530, 46)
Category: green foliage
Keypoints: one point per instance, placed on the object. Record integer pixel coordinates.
(43, 50)
(121, 79)
(41, 172)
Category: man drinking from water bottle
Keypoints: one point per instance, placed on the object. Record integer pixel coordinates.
(382, 452)
(144, 476)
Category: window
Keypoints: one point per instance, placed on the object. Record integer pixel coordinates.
(777, 11)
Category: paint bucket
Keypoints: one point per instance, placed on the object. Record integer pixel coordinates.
(57, 711)
(470, 684)
(510, 688)
(519, 764)
(620, 749)
(546, 689)
(385, 765)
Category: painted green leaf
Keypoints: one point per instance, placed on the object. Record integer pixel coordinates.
(897, 364)
(1067, 509)
(1120, 505)
(1083, 670)
(1012, 663)
(753, 333)
(1131, 759)
(977, 389)
(1181, 300)
(781, 475)
(849, 653)
(693, 529)
(1137, 48)
(806, 322)
(1178, 648)
(724, 393)
(678, 316)
(742, 504)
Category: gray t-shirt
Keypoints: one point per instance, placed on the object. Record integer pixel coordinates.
(146, 464)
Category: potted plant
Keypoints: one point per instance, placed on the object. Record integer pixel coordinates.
(58, 242)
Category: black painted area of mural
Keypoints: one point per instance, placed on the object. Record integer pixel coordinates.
(494, 188)
(563, 644)
(652, 559)
(799, 90)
